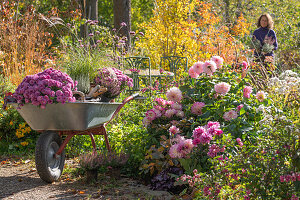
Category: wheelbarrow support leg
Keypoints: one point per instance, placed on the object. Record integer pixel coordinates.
(93, 141)
(103, 132)
(63, 145)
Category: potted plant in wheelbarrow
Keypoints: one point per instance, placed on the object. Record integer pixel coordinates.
(45, 101)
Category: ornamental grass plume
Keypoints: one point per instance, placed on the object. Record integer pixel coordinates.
(222, 88)
(174, 94)
(197, 108)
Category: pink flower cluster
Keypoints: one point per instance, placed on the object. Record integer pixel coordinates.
(239, 141)
(191, 180)
(222, 88)
(247, 91)
(214, 150)
(208, 67)
(114, 80)
(204, 134)
(290, 177)
(197, 108)
(260, 96)
(174, 94)
(165, 109)
(181, 148)
(47, 87)
(232, 114)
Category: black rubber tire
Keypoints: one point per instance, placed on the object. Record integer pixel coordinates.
(47, 165)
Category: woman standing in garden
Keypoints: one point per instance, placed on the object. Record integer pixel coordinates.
(264, 39)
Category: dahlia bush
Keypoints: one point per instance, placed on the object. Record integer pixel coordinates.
(47, 87)
(229, 139)
(114, 80)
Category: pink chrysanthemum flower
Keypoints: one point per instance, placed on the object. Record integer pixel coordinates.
(247, 91)
(198, 67)
(174, 130)
(218, 60)
(260, 95)
(197, 108)
(192, 73)
(222, 88)
(209, 67)
(174, 94)
(151, 114)
(232, 114)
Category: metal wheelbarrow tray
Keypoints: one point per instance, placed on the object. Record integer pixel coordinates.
(68, 116)
(70, 119)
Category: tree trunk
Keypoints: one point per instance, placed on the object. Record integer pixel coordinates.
(122, 13)
(90, 11)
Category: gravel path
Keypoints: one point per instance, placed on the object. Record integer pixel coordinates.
(19, 180)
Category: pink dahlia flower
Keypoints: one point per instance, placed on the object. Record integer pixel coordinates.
(174, 94)
(151, 114)
(174, 130)
(198, 67)
(222, 88)
(197, 108)
(247, 91)
(146, 121)
(170, 113)
(218, 60)
(245, 66)
(192, 73)
(232, 114)
(176, 106)
(180, 113)
(209, 67)
(260, 95)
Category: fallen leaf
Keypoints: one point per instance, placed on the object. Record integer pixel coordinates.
(81, 192)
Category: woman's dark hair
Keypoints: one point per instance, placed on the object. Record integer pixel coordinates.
(270, 21)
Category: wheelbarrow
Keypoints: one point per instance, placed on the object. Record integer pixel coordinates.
(56, 120)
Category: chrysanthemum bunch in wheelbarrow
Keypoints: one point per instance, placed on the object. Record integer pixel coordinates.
(48, 87)
(114, 80)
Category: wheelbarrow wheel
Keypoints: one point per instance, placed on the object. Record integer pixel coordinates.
(49, 166)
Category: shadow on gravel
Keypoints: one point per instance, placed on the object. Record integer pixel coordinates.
(13, 184)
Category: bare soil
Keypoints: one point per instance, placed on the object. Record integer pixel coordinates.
(19, 180)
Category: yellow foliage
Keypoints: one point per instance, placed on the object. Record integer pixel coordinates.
(190, 28)
(23, 42)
